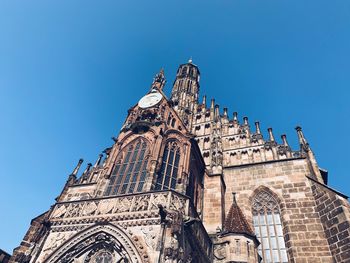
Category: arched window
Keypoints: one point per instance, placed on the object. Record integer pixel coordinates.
(129, 173)
(170, 164)
(268, 228)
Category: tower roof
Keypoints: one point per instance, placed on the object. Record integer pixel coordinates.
(236, 222)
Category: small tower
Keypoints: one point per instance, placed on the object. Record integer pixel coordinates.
(237, 242)
(185, 91)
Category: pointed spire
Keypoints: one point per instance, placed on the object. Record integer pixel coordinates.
(257, 127)
(245, 121)
(235, 115)
(77, 167)
(236, 222)
(225, 112)
(284, 140)
(204, 102)
(302, 141)
(271, 137)
(217, 111)
(98, 161)
(87, 169)
(212, 103)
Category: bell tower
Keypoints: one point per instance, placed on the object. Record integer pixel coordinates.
(185, 92)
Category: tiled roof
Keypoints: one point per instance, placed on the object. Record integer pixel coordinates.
(236, 222)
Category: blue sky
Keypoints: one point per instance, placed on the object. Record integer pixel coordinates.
(69, 70)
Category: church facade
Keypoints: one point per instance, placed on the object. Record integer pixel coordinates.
(184, 182)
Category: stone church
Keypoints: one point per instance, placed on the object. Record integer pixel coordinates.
(186, 182)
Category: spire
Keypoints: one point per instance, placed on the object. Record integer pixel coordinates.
(212, 103)
(73, 176)
(77, 167)
(159, 80)
(284, 140)
(98, 161)
(204, 101)
(235, 222)
(225, 112)
(217, 111)
(302, 141)
(190, 60)
(257, 127)
(245, 121)
(271, 137)
(87, 169)
(235, 114)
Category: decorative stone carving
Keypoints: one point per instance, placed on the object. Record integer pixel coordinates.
(220, 251)
(97, 237)
(119, 205)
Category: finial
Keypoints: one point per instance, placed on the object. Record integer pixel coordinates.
(302, 141)
(257, 127)
(76, 169)
(159, 80)
(217, 111)
(212, 103)
(204, 102)
(225, 112)
(190, 60)
(272, 138)
(234, 197)
(98, 161)
(245, 120)
(87, 168)
(284, 140)
(235, 114)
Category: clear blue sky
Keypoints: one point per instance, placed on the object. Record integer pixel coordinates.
(69, 70)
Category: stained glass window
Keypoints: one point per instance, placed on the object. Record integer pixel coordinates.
(169, 168)
(268, 228)
(129, 173)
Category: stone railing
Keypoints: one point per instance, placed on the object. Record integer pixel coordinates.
(127, 205)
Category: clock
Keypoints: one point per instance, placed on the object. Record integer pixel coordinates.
(150, 100)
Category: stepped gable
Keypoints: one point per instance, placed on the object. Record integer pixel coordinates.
(236, 222)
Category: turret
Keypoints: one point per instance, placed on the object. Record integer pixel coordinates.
(238, 236)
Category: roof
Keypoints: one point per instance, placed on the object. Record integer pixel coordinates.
(236, 222)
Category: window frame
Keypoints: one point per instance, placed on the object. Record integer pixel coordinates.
(268, 228)
(129, 172)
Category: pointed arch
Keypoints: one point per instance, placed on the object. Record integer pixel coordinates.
(130, 169)
(105, 239)
(267, 224)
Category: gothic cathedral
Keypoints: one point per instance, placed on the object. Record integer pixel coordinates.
(184, 182)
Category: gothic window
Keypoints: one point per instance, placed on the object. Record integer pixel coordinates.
(169, 168)
(268, 228)
(129, 173)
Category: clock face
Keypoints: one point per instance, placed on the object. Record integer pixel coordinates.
(150, 100)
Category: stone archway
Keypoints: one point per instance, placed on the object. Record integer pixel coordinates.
(99, 241)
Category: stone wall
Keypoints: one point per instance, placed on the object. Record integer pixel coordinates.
(287, 182)
(334, 212)
(33, 237)
(213, 204)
